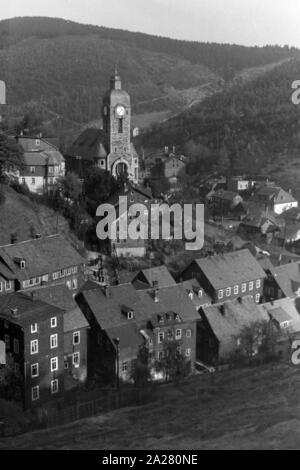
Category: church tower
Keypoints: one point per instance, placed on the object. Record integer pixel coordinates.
(116, 114)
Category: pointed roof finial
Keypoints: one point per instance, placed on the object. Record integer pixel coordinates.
(116, 69)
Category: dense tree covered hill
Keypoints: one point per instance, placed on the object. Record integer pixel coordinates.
(242, 128)
(64, 66)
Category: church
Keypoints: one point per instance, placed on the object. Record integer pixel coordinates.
(109, 148)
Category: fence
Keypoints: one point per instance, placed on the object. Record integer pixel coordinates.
(108, 400)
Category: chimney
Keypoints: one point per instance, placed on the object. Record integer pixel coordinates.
(222, 309)
(14, 312)
(106, 290)
(33, 295)
(155, 291)
(13, 238)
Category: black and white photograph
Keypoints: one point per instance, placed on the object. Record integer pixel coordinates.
(149, 228)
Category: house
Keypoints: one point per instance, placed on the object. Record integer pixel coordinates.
(228, 276)
(285, 316)
(223, 201)
(272, 197)
(110, 148)
(123, 318)
(169, 166)
(237, 184)
(43, 164)
(220, 327)
(40, 261)
(283, 281)
(76, 331)
(158, 276)
(260, 223)
(33, 333)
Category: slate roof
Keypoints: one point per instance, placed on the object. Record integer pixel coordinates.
(28, 309)
(43, 158)
(89, 145)
(193, 285)
(128, 335)
(42, 255)
(230, 269)
(228, 320)
(159, 274)
(287, 276)
(224, 194)
(282, 310)
(108, 310)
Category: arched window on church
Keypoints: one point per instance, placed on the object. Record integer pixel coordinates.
(120, 127)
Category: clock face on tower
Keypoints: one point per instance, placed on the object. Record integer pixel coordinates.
(120, 111)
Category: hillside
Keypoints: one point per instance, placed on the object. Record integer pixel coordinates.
(249, 126)
(23, 217)
(61, 68)
(243, 409)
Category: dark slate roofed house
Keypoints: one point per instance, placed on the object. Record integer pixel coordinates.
(41, 261)
(228, 276)
(33, 333)
(159, 275)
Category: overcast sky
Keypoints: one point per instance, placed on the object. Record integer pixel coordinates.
(246, 22)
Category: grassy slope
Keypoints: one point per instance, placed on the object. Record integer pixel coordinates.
(246, 409)
(18, 214)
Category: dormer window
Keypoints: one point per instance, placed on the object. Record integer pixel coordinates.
(177, 317)
(160, 318)
(130, 315)
(22, 264)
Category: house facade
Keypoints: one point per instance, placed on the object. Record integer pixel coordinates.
(228, 276)
(33, 334)
(274, 198)
(40, 261)
(43, 164)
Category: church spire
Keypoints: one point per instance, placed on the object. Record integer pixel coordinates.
(115, 81)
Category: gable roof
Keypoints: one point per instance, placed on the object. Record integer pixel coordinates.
(228, 320)
(89, 145)
(108, 309)
(287, 276)
(28, 309)
(159, 274)
(42, 255)
(274, 194)
(230, 269)
(282, 310)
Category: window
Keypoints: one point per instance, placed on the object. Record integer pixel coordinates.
(35, 393)
(53, 364)
(7, 342)
(178, 334)
(221, 293)
(161, 337)
(125, 366)
(54, 386)
(236, 290)
(120, 126)
(53, 341)
(160, 355)
(55, 275)
(53, 322)
(129, 315)
(76, 359)
(66, 365)
(257, 298)
(34, 370)
(188, 333)
(76, 337)
(228, 291)
(244, 287)
(7, 285)
(258, 284)
(45, 278)
(285, 324)
(251, 285)
(74, 284)
(34, 346)
(37, 142)
(33, 181)
(33, 328)
(188, 352)
(16, 346)
(32, 169)
(51, 169)
(22, 264)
